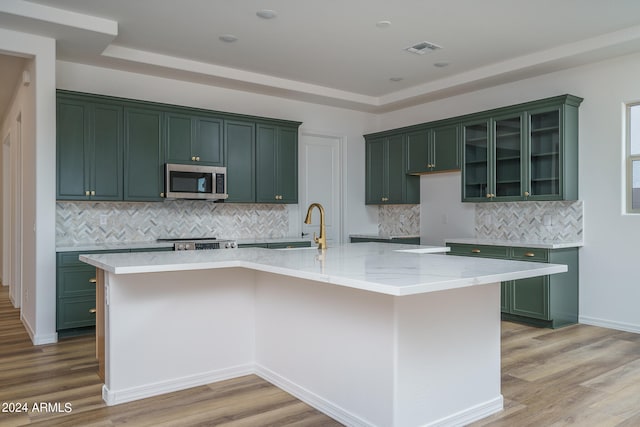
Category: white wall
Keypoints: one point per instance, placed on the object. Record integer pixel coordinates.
(315, 118)
(609, 291)
(36, 104)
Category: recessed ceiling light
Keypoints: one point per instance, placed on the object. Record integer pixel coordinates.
(422, 48)
(440, 64)
(267, 13)
(396, 79)
(383, 24)
(228, 38)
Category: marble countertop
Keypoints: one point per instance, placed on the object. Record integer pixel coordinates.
(378, 236)
(375, 267)
(114, 246)
(542, 244)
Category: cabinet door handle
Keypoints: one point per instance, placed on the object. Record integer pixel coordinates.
(87, 193)
(92, 310)
(93, 192)
(526, 194)
(93, 280)
(193, 158)
(197, 158)
(529, 254)
(161, 194)
(475, 251)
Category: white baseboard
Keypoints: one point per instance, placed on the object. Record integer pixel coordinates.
(593, 321)
(38, 339)
(115, 397)
(347, 418)
(470, 415)
(325, 406)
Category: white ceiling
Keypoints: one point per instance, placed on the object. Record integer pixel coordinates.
(331, 51)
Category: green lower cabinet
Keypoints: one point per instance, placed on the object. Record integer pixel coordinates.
(530, 297)
(548, 301)
(505, 295)
(166, 249)
(76, 291)
(285, 245)
(75, 313)
(76, 294)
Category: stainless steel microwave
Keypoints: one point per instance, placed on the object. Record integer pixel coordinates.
(195, 182)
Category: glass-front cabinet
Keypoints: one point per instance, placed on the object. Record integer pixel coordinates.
(493, 159)
(476, 161)
(544, 153)
(508, 157)
(526, 152)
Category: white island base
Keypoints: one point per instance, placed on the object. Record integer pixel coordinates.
(364, 358)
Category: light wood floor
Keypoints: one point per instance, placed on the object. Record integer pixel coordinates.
(579, 375)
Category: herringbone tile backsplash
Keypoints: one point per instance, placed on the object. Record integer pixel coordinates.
(399, 220)
(530, 221)
(83, 222)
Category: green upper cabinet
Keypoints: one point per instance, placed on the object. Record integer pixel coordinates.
(433, 150)
(116, 149)
(194, 139)
(144, 154)
(240, 158)
(386, 180)
(493, 159)
(89, 150)
(524, 152)
(276, 164)
(476, 170)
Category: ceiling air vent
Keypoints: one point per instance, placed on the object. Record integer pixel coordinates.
(422, 48)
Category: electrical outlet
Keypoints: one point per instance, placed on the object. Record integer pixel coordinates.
(547, 220)
(103, 219)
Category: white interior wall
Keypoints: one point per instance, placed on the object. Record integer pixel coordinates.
(609, 288)
(35, 104)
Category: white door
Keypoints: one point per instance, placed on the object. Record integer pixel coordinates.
(321, 182)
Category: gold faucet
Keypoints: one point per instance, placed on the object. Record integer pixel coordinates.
(322, 239)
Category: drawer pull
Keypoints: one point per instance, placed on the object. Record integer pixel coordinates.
(529, 254)
(475, 251)
(92, 310)
(93, 280)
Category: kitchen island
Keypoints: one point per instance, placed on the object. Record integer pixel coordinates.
(367, 333)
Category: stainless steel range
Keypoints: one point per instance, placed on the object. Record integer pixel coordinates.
(200, 243)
